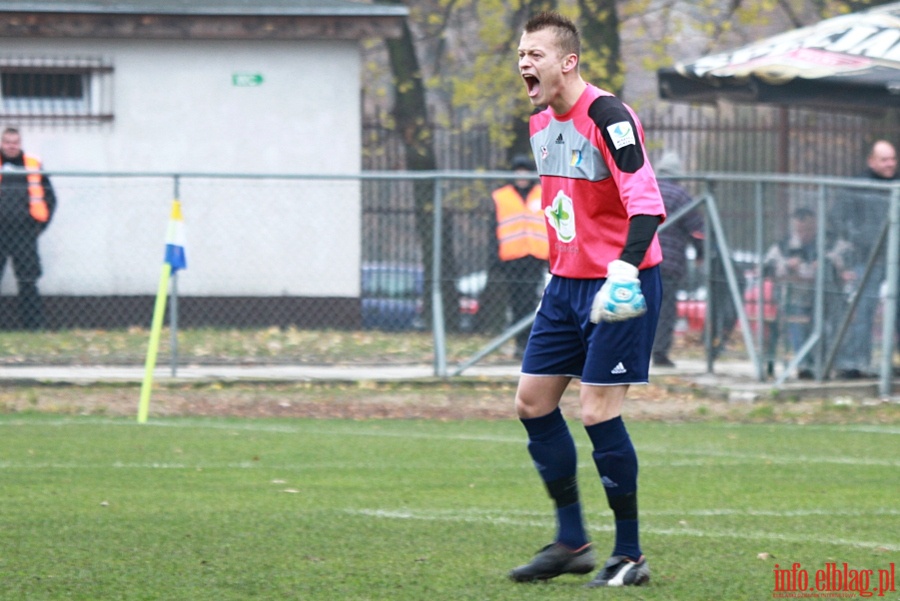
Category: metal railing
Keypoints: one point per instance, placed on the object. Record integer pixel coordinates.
(391, 252)
(814, 193)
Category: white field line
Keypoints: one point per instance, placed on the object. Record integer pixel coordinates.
(693, 532)
(253, 427)
(250, 426)
(269, 427)
(373, 431)
(585, 465)
(789, 458)
(707, 460)
(790, 513)
(865, 428)
(152, 465)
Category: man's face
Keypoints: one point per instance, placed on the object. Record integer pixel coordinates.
(805, 228)
(11, 145)
(541, 66)
(883, 160)
(524, 180)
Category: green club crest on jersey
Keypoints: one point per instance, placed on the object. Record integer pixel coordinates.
(561, 217)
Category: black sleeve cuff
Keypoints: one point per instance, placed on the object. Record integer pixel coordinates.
(641, 229)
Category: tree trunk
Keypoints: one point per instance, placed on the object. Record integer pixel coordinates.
(600, 32)
(411, 117)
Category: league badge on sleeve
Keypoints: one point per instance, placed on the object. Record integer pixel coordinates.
(621, 134)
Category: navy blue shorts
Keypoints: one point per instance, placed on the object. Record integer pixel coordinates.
(564, 342)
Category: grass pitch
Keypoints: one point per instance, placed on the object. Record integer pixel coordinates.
(193, 509)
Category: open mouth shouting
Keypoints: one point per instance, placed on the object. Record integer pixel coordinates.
(532, 85)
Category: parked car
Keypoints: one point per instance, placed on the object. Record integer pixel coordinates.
(392, 296)
(470, 286)
(691, 309)
(691, 304)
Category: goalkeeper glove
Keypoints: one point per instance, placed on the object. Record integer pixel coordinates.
(620, 297)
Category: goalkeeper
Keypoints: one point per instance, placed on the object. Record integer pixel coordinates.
(598, 315)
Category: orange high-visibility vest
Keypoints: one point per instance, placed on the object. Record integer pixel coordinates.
(521, 229)
(37, 206)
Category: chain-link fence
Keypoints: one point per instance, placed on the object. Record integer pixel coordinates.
(395, 267)
(315, 269)
(802, 273)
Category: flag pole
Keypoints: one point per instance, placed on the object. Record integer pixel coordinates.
(159, 311)
(174, 260)
(173, 298)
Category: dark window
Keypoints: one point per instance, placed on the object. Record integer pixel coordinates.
(42, 85)
(55, 90)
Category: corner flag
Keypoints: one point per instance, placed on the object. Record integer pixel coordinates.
(174, 260)
(175, 241)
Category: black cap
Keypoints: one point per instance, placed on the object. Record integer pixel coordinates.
(521, 161)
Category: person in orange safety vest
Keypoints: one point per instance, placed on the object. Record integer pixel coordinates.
(518, 265)
(27, 203)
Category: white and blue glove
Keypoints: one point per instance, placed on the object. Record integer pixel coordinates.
(620, 297)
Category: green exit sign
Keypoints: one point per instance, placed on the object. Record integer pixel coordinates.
(246, 80)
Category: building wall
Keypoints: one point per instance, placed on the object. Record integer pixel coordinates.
(177, 110)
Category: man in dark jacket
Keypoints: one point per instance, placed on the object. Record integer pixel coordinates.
(27, 203)
(859, 218)
(674, 240)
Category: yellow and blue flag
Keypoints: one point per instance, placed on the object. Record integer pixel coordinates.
(175, 260)
(175, 239)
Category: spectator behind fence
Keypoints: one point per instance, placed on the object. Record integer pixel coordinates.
(27, 203)
(793, 263)
(673, 240)
(518, 263)
(859, 218)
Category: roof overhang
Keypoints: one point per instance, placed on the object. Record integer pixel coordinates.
(851, 62)
(224, 19)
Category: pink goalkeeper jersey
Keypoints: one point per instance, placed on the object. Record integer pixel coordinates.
(595, 177)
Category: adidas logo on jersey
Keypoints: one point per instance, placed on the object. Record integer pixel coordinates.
(619, 369)
(559, 139)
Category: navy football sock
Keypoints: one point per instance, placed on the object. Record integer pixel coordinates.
(553, 451)
(617, 465)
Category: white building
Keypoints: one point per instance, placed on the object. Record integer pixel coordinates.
(207, 86)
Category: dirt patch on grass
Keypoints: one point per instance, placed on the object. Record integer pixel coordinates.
(668, 400)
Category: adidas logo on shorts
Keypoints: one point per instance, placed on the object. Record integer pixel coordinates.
(619, 369)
